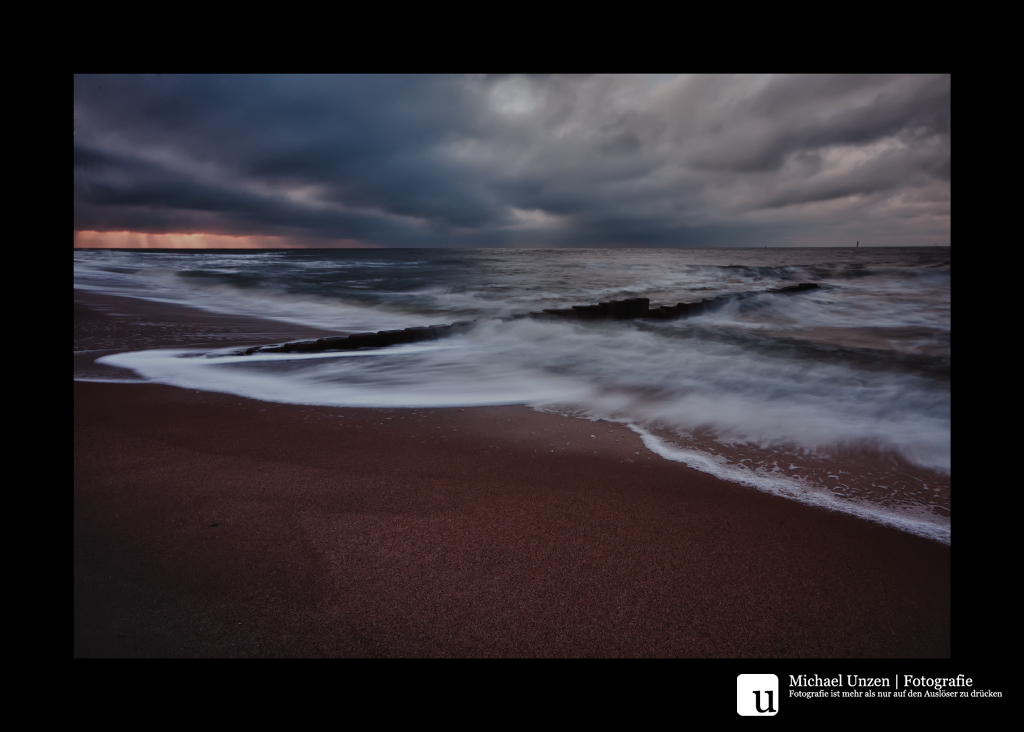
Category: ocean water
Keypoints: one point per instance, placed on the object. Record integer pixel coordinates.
(838, 397)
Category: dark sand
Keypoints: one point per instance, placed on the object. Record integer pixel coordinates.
(212, 525)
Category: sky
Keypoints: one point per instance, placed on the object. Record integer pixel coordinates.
(512, 161)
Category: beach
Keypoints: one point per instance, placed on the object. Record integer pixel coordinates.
(211, 525)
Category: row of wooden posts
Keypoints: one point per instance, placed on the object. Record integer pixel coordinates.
(629, 309)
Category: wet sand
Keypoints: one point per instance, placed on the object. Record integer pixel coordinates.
(212, 525)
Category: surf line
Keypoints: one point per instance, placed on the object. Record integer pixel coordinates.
(630, 309)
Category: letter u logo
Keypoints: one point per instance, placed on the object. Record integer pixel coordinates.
(757, 702)
(750, 692)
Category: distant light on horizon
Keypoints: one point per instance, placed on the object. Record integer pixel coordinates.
(147, 240)
(143, 240)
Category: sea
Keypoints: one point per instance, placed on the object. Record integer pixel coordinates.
(838, 397)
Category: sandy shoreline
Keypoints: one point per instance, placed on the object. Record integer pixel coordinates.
(212, 525)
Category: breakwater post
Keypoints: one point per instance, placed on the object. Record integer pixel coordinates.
(630, 309)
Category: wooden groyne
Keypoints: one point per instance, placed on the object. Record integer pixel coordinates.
(634, 308)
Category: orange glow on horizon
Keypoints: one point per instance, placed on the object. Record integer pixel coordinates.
(141, 240)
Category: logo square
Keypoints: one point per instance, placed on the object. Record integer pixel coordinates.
(757, 695)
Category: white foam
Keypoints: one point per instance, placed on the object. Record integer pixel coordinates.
(787, 487)
(396, 384)
(616, 371)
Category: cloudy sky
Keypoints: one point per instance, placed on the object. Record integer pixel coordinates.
(515, 161)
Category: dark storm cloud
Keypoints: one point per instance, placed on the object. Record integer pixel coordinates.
(516, 161)
(115, 190)
(809, 113)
